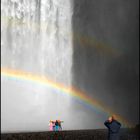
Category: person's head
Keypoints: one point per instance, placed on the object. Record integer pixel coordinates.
(114, 117)
(110, 119)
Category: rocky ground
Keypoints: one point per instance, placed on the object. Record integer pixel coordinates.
(69, 135)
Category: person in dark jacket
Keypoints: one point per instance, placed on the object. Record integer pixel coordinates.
(113, 128)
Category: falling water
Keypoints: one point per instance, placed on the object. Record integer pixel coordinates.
(36, 38)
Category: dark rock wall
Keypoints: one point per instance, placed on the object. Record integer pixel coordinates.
(106, 53)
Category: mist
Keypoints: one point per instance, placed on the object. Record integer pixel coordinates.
(106, 54)
(92, 46)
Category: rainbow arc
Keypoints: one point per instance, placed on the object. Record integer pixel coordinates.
(71, 91)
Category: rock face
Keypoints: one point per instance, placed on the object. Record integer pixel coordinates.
(106, 53)
(68, 135)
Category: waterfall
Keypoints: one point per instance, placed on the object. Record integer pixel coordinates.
(40, 31)
(35, 37)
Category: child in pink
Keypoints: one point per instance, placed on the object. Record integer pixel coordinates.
(51, 126)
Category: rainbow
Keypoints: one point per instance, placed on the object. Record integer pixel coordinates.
(72, 91)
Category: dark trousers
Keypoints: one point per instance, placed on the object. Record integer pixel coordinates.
(114, 136)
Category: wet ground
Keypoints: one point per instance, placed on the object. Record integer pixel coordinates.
(69, 135)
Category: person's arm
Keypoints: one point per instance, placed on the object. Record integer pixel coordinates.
(118, 123)
(107, 124)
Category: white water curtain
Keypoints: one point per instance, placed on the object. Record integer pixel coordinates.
(35, 37)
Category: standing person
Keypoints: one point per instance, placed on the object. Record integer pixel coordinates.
(113, 128)
(56, 125)
(59, 123)
(51, 125)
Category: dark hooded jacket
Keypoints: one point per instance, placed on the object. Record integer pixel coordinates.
(113, 129)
